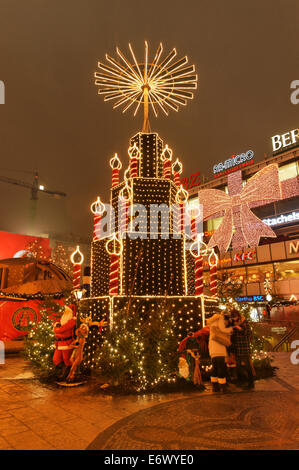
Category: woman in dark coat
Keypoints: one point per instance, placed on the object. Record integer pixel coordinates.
(241, 339)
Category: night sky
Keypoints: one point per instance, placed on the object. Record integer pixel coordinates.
(245, 53)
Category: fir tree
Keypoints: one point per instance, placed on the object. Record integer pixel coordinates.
(139, 352)
(39, 343)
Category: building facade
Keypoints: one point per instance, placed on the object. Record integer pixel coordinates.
(274, 264)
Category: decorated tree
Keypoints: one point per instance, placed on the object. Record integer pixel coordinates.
(139, 352)
(39, 343)
(37, 250)
(61, 258)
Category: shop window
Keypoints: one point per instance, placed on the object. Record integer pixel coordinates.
(234, 276)
(288, 171)
(264, 211)
(213, 224)
(260, 273)
(287, 205)
(286, 270)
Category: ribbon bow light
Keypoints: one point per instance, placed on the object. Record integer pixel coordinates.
(239, 222)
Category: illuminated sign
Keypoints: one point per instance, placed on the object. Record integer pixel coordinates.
(293, 248)
(244, 256)
(236, 162)
(191, 181)
(284, 140)
(282, 219)
(250, 298)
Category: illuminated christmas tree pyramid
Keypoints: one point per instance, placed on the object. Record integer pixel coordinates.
(144, 255)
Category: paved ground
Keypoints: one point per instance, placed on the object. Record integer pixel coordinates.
(33, 416)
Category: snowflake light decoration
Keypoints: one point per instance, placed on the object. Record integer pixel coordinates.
(158, 85)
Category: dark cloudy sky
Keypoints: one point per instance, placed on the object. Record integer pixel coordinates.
(245, 52)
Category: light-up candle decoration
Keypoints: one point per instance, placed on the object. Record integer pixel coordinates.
(116, 165)
(198, 249)
(77, 259)
(98, 209)
(125, 196)
(181, 199)
(134, 154)
(194, 213)
(177, 169)
(166, 158)
(213, 261)
(114, 248)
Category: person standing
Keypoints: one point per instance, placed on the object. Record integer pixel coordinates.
(219, 340)
(241, 339)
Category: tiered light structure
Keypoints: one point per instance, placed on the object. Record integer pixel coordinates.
(144, 265)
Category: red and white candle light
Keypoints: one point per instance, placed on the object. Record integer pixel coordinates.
(166, 158)
(116, 165)
(198, 249)
(177, 169)
(77, 259)
(213, 261)
(114, 248)
(134, 154)
(98, 209)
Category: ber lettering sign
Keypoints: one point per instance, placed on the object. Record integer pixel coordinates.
(284, 140)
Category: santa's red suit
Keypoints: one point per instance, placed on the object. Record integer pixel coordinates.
(64, 338)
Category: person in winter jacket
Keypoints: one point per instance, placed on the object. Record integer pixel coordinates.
(217, 350)
(241, 345)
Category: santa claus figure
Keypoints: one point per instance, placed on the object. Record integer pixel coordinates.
(64, 337)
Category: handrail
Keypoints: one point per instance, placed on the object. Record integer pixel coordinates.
(284, 339)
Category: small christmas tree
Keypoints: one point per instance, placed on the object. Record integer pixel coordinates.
(37, 250)
(61, 258)
(39, 343)
(139, 352)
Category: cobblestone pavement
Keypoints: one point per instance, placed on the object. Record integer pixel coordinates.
(253, 421)
(33, 416)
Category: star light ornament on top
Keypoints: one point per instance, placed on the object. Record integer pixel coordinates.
(159, 85)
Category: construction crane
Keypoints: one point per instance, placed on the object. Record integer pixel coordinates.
(35, 188)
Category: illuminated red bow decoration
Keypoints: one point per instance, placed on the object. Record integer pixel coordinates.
(239, 222)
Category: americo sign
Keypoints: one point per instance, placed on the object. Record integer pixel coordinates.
(236, 162)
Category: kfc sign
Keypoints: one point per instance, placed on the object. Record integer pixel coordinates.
(284, 140)
(247, 255)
